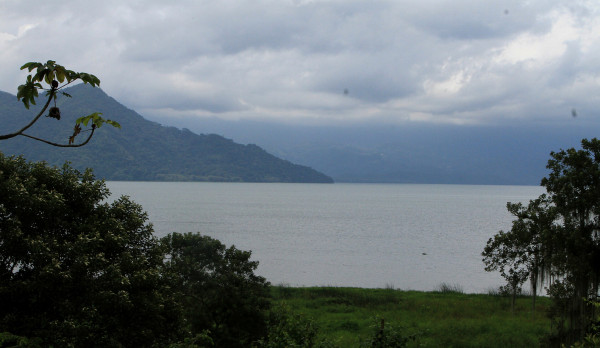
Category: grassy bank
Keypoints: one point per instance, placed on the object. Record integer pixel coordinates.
(438, 319)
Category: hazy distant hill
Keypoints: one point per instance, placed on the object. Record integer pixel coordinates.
(142, 150)
(515, 153)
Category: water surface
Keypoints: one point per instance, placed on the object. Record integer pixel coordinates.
(362, 235)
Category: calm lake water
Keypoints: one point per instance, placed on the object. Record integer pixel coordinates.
(362, 235)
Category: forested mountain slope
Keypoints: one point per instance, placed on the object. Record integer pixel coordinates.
(142, 150)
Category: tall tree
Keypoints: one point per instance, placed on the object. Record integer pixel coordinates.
(53, 77)
(557, 237)
(523, 252)
(574, 187)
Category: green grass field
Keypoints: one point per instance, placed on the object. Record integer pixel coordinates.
(347, 316)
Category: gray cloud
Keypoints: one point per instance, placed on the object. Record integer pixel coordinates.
(461, 61)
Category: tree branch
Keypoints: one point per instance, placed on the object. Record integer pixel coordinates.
(61, 145)
(20, 132)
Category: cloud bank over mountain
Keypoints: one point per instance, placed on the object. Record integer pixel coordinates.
(322, 62)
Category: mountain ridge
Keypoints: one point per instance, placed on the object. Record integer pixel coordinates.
(515, 153)
(142, 150)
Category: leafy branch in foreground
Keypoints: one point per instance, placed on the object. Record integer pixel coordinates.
(52, 77)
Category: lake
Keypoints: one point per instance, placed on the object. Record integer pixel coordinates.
(361, 235)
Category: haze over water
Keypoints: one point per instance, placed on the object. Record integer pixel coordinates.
(361, 235)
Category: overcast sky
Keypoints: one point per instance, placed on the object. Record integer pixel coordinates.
(458, 61)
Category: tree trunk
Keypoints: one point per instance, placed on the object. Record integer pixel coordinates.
(514, 297)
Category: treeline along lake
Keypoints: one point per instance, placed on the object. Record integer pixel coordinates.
(359, 235)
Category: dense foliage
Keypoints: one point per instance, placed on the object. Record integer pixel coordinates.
(75, 270)
(78, 271)
(217, 288)
(144, 150)
(555, 240)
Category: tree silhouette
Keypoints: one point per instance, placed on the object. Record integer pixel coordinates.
(556, 240)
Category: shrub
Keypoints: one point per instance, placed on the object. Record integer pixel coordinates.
(448, 288)
(75, 270)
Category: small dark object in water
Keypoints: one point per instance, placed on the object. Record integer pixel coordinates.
(423, 253)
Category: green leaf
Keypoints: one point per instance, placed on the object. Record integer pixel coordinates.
(28, 92)
(47, 73)
(97, 120)
(60, 74)
(49, 76)
(85, 119)
(40, 75)
(114, 123)
(31, 65)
